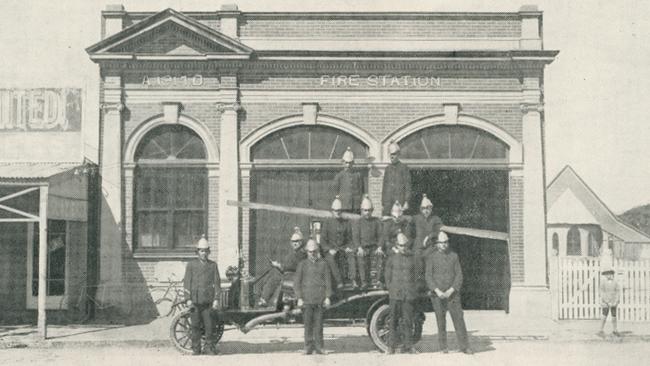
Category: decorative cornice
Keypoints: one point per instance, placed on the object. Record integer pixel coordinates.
(224, 107)
(531, 107)
(519, 65)
(112, 107)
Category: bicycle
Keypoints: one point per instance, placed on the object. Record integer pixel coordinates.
(80, 310)
(170, 299)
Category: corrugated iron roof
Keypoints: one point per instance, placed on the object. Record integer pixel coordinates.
(29, 171)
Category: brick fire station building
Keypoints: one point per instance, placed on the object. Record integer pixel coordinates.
(199, 108)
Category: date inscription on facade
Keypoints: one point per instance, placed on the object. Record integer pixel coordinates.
(173, 81)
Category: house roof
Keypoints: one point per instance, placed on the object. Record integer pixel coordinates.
(33, 171)
(568, 180)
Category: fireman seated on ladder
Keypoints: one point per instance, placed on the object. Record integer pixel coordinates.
(282, 270)
(366, 236)
(336, 246)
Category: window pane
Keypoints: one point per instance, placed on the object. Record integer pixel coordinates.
(462, 142)
(489, 147)
(56, 258)
(308, 142)
(296, 143)
(573, 242)
(452, 142)
(153, 230)
(198, 182)
(171, 142)
(176, 216)
(188, 228)
(160, 191)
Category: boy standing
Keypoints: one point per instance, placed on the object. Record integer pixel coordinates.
(609, 295)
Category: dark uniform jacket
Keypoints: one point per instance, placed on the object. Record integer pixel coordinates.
(347, 184)
(425, 226)
(312, 282)
(442, 270)
(391, 228)
(336, 234)
(366, 232)
(202, 283)
(291, 260)
(396, 186)
(400, 276)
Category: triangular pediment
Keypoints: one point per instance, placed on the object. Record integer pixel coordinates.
(169, 34)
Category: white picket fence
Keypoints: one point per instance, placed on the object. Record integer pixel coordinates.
(575, 283)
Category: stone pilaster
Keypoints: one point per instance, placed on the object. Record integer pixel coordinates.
(228, 244)
(534, 184)
(111, 182)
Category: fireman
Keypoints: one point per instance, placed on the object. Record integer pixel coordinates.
(347, 184)
(336, 243)
(366, 234)
(397, 182)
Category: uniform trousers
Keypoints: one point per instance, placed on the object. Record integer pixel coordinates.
(401, 313)
(272, 282)
(341, 257)
(440, 306)
(201, 317)
(313, 321)
(365, 263)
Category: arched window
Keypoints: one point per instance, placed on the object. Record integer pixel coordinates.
(556, 243)
(171, 187)
(308, 143)
(453, 143)
(573, 241)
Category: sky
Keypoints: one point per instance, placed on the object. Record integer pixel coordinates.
(596, 91)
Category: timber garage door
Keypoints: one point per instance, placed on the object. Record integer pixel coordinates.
(271, 230)
(463, 170)
(294, 167)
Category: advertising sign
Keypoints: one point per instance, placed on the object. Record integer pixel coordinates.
(40, 110)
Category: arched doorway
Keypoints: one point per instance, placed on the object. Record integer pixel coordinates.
(295, 167)
(464, 171)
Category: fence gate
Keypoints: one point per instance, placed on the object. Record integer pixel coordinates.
(575, 284)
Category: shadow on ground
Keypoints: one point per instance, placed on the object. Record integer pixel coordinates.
(347, 344)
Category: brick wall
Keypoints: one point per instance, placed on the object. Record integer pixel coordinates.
(382, 119)
(212, 233)
(205, 113)
(380, 26)
(517, 229)
(506, 116)
(244, 225)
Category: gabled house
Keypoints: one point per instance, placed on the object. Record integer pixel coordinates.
(580, 224)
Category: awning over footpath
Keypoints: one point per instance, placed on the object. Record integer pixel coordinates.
(36, 192)
(67, 193)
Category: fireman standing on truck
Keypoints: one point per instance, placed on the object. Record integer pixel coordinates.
(397, 182)
(347, 184)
